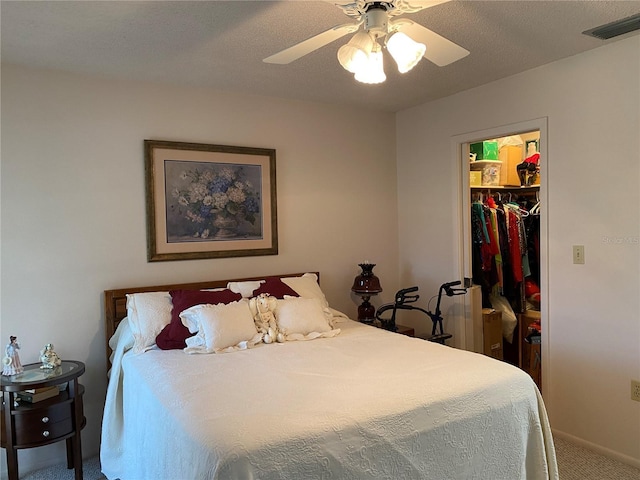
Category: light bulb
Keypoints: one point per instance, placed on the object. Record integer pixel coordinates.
(405, 51)
(352, 55)
(372, 71)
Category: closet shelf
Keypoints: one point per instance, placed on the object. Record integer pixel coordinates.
(481, 163)
(505, 187)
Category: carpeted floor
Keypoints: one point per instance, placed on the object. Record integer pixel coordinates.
(90, 471)
(577, 463)
(574, 463)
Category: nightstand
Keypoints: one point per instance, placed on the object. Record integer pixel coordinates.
(408, 331)
(61, 417)
(401, 329)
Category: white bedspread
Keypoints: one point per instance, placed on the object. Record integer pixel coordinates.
(365, 404)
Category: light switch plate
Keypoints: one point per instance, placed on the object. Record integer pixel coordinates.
(578, 254)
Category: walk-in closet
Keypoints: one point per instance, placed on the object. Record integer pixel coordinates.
(505, 206)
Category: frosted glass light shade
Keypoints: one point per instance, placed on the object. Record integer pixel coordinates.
(405, 51)
(355, 53)
(372, 71)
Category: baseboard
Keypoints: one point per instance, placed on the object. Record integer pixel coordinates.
(634, 462)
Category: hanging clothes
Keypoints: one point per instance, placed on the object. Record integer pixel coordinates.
(516, 241)
(501, 249)
(482, 259)
(532, 227)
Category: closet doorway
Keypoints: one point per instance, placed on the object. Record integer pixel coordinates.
(503, 205)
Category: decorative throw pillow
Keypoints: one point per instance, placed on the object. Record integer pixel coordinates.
(174, 335)
(221, 328)
(307, 286)
(275, 287)
(148, 314)
(300, 317)
(244, 288)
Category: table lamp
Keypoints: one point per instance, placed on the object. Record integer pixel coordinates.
(365, 285)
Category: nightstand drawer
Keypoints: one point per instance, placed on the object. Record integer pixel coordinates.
(36, 417)
(44, 432)
(43, 424)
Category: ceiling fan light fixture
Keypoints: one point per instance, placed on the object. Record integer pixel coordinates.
(355, 53)
(405, 51)
(376, 19)
(372, 71)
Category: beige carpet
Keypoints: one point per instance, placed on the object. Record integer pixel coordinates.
(577, 463)
(574, 463)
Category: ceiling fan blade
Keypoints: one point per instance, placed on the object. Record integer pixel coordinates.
(413, 6)
(440, 51)
(305, 47)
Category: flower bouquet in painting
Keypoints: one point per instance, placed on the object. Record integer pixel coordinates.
(212, 201)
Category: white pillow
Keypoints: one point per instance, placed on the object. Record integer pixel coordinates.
(148, 314)
(302, 319)
(244, 288)
(220, 328)
(307, 287)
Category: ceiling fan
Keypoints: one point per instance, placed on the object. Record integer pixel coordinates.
(379, 21)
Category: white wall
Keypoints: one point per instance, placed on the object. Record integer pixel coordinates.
(73, 204)
(592, 102)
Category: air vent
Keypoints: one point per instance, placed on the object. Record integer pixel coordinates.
(614, 29)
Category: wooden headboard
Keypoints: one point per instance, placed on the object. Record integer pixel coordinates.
(115, 301)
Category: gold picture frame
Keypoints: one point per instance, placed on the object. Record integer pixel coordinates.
(209, 201)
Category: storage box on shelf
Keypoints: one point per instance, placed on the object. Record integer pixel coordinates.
(487, 150)
(491, 175)
(511, 157)
(486, 171)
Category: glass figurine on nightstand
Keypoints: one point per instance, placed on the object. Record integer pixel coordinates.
(49, 358)
(11, 362)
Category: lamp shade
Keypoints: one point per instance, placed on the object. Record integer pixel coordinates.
(355, 53)
(372, 71)
(405, 51)
(366, 283)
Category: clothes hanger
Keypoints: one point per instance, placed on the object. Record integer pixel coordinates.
(535, 210)
(516, 208)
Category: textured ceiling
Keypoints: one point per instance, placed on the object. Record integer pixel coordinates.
(222, 44)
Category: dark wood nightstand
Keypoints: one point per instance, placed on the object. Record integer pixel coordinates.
(408, 331)
(401, 329)
(48, 421)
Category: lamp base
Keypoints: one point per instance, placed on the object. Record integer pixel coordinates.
(366, 285)
(366, 311)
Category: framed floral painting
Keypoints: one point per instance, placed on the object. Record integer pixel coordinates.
(209, 201)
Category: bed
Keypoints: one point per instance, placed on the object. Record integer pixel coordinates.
(345, 401)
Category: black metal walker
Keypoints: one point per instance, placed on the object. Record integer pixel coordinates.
(403, 301)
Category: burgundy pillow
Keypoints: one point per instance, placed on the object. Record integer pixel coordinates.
(276, 288)
(173, 336)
